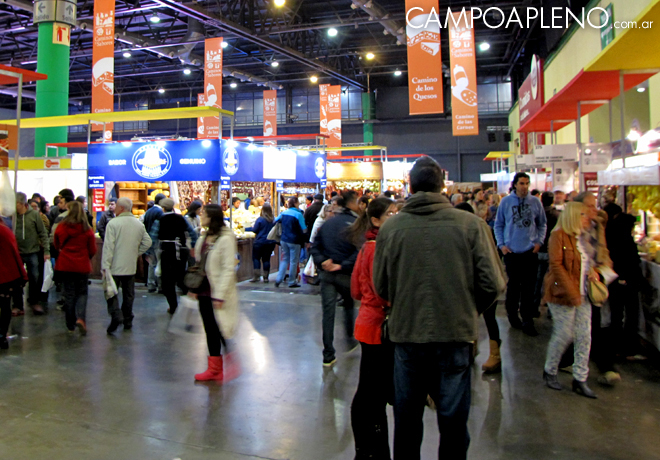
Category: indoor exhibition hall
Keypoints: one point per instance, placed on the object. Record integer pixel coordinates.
(330, 230)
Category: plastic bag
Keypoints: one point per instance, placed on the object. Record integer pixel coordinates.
(48, 277)
(310, 268)
(7, 196)
(109, 287)
(186, 318)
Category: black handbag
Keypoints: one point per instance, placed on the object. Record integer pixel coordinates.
(196, 274)
(385, 328)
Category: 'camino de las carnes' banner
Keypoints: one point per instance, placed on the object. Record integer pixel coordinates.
(463, 68)
(323, 99)
(270, 115)
(103, 62)
(334, 120)
(424, 58)
(212, 84)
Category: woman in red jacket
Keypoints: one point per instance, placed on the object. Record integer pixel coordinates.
(12, 277)
(74, 239)
(375, 387)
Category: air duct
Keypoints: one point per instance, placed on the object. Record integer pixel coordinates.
(30, 95)
(377, 13)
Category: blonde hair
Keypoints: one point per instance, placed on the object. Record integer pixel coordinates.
(570, 219)
(496, 199)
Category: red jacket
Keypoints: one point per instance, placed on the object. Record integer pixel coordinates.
(11, 267)
(372, 310)
(76, 247)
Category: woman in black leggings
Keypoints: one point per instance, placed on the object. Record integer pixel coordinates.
(262, 247)
(12, 278)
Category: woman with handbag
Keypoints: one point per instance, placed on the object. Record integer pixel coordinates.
(571, 269)
(75, 241)
(12, 277)
(262, 247)
(213, 282)
(376, 384)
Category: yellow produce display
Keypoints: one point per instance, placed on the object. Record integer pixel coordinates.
(646, 198)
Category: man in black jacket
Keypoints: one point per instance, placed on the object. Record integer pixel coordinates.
(151, 216)
(335, 257)
(551, 215)
(312, 212)
(106, 217)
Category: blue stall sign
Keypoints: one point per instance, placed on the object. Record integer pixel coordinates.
(279, 185)
(161, 161)
(324, 183)
(96, 182)
(225, 183)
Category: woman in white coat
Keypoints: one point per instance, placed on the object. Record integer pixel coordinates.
(218, 296)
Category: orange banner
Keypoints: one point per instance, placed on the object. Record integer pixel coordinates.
(334, 119)
(323, 99)
(270, 115)
(212, 84)
(424, 58)
(463, 69)
(103, 62)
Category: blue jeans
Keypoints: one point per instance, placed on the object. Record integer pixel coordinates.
(441, 370)
(75, 297)
(291, 257)
(332, 284)
(31, 262)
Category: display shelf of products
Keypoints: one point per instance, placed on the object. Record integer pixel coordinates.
(189, 191)
(357, 185)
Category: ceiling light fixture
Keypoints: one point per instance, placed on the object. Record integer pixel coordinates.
(279, 3)
(397, 73)
(127, 54)
(314, 79)
(275, 64)
(332, 32)
(154, 18)
(233, 85)
(225, 44)
(370, 56)
(161, 90)
(484, 46)
(641, 89)
(187, 71)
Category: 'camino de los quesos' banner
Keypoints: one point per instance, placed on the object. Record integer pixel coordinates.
(323, 100)
(424, 58)
(463, 64)
(103, 62)
(212, 87)
(270, 115)
(334, 120)
(156, 161)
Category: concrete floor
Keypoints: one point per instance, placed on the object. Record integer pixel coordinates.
(132, 395)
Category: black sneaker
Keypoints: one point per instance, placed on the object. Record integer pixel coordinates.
(114, 324)
(4, 344)
(329, 362)
(515, 322)
(529, 329)
(128, 323)
(294, 286)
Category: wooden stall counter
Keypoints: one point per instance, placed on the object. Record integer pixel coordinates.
(246, 267)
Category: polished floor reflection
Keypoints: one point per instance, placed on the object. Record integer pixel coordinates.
(132, 395)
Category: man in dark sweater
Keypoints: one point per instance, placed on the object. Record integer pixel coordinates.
(106, 217)
(551, 215)
(173, 231)
(151, 216)
(335, 257)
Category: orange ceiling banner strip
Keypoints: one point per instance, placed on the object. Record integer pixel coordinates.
(270, 115)
(424, 58)
(323, 101)
(212, 84)
(463, 69)
(334, 120)
(103, 62)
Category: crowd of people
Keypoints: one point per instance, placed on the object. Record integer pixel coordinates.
(424, 270)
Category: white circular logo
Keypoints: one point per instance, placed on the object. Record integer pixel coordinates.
(319, 168)
(535, 77)
(152, 161)
(230, 160)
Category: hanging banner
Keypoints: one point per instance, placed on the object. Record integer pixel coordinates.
(212, 84)
(334, 120)
(103, 62)
(463, 64)
(201, 130)
(531, 93)
(270, 115)
(424, 57)
(323, 99)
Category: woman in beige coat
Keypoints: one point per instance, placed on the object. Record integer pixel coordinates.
(218, 296)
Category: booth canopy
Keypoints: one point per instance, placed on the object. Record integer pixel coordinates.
(634, 48)
(110, 117)
(28, 75)
(597, 87)
(492, 156)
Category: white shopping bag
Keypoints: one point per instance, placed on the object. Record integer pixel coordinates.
(109, 287)
(48, 277)
(310, 268)
(7, 196)
(186, 318)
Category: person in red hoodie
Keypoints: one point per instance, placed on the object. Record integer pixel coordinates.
(74, 239)
(12, 277)
(376, 384)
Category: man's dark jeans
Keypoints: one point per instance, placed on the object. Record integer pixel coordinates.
(127, 286)
(522, 270)
(331, 284)
(31, 262)
(441, 370)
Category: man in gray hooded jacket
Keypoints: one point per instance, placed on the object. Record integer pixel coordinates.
(438, 267)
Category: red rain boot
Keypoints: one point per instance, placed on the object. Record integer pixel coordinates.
(233, 368)
(214, 371)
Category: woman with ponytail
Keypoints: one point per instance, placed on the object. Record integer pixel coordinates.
(375, 387)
